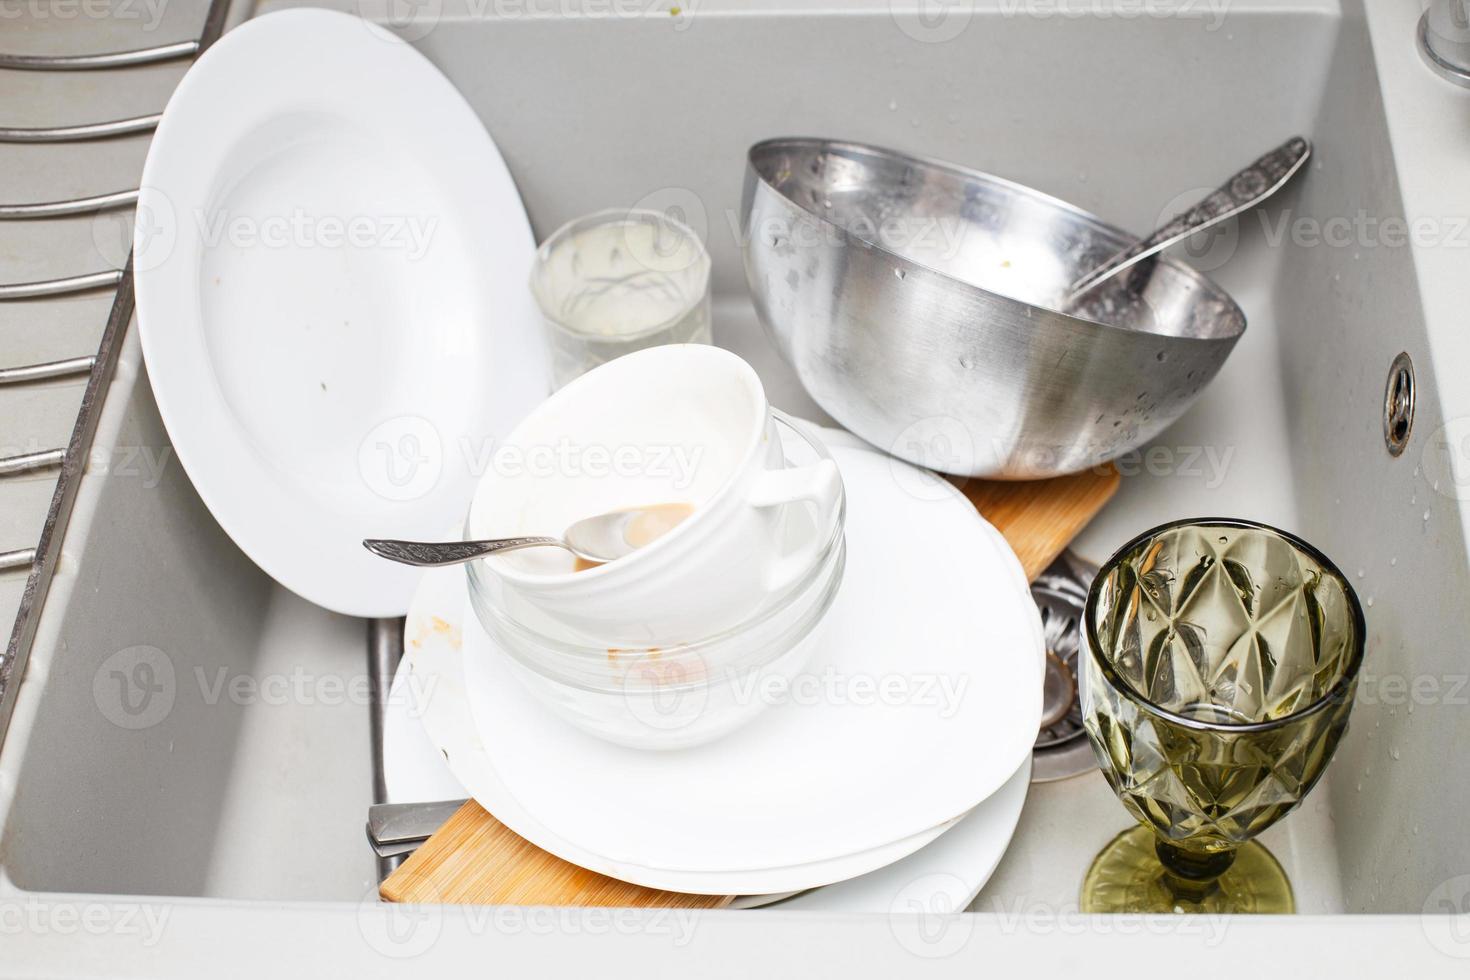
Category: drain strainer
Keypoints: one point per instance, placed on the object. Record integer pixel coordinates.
(1060, 592)
(1398, 404)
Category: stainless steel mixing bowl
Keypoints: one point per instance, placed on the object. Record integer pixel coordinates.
(917, 302)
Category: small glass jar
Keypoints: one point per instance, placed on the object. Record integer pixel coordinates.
(618, 281)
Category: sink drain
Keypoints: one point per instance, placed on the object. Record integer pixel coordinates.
(1398, 404)
(1060, 592)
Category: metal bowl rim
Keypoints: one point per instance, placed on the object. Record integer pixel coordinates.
(1189, 273)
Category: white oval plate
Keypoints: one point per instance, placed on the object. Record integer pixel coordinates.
(930, 613)
(432, 751)
(331, 262)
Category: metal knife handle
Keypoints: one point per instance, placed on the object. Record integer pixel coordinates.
(398, 823)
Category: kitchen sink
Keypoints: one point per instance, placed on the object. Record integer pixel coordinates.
(191, 737)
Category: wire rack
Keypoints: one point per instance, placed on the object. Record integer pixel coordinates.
(38, 559)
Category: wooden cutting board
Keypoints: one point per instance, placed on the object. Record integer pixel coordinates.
(1039, 518)
(475, 859)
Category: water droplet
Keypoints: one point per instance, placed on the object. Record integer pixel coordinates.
(1161, 356)
(1361, 573)
(1360, 787)
(1426, 515)
(892, 105)
(1370, 602)
(1392, 562)
(1416, 830)
(1394, 753)
(967, 361)
(900, 273)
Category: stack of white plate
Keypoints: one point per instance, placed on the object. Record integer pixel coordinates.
(892, 769)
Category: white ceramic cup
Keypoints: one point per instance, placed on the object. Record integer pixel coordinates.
(680, 423)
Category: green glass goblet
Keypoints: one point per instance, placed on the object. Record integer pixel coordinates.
(1218, 666)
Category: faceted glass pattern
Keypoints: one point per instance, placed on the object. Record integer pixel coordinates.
(1220, 666)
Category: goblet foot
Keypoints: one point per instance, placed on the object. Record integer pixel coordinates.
(1127, 876)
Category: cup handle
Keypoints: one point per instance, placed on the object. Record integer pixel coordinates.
(819, 483)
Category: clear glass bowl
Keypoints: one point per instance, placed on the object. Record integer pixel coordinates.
(681, 695)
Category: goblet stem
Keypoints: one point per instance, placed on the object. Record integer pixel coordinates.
(1192, 875)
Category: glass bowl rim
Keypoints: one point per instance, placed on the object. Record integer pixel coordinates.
(806, 624)
(1337, 693)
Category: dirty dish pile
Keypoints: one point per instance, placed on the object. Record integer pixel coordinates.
(901, 683)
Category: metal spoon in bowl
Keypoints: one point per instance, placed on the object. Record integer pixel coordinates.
(600, 539)
(1245, 190)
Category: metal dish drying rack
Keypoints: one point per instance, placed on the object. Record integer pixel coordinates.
(39, 559)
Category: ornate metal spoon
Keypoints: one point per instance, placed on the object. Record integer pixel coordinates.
(600, 539)
(1245, 190)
